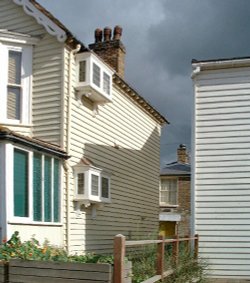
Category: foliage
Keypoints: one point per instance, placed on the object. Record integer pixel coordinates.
(188, 268)
(143, 263)
(143, 259)
(32, 250)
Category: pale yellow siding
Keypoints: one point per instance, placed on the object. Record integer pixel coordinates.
(134, 169)
(47, 73)
(47, 89)
(46, 98)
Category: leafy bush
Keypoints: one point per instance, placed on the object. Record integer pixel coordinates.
(32, 250)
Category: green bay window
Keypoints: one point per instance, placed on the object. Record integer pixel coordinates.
(45, 194)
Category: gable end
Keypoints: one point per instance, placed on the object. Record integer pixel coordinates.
(42, 19)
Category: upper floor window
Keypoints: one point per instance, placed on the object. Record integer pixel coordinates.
(15, 83)
(168, 192)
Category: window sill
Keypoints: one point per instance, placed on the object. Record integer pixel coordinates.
(169, 205)
(51, 224)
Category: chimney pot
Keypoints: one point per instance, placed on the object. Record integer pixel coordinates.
(107, 33)
(117, 33)
(98, 35)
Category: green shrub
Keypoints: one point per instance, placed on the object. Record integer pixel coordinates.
(32, 250)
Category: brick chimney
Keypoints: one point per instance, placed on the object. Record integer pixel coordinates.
(182, 155)
(111, 50)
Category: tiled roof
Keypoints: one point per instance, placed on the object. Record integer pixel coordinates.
(7, 134)
(176, 168)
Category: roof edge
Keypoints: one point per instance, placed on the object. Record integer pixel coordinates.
(7, 134)
(139, 100)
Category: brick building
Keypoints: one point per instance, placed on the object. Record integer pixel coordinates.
(175, 208)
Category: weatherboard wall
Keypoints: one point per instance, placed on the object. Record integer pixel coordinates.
(222, 170)
(47, 74)
(46, 99)
(123, 140)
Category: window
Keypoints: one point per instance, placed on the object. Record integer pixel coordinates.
(106, 83)
(15, 83)
(168, 192)
(82, 71)
(92, 185)
(105, 187)
(94, 79)
(41, 202)
(96, 75)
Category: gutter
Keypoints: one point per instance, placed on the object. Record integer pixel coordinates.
(218, 64)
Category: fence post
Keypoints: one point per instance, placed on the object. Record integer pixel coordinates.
(119, 254)
(196, 246)
(176, 250)
(160, 256)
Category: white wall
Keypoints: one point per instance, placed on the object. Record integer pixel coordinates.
(222, 170)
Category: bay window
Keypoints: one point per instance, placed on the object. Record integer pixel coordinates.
(36, 183)
(92, 185)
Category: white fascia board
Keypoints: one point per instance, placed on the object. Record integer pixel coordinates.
(51, 27)
(230, 63)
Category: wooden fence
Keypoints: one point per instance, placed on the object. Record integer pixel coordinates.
(120, 245)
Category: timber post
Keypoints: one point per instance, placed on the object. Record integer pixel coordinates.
(160, 256)
(119, 255)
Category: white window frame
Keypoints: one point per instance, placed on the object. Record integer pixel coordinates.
(168, 204)
(22, 44)
(87, 198)
(9, 153)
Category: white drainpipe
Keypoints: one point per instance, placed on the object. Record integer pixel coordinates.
(72, 53)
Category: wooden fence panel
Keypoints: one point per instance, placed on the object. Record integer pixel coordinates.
(3, 272)
(54, 272)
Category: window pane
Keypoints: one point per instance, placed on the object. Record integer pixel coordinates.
(80, 183)
(13, 102)
(56, 191)
(21, 197)
(82, 71)
(106, 83)
(168, 192)
(37, 187)
(94, 185)
(47, 189)
(14, 72)
(105, 187)
(96, 75)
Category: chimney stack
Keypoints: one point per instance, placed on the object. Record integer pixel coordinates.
(182, 156)
(111, 50)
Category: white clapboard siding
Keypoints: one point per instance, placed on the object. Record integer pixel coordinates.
(47, 72)
(222, 170)
(134, 169)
